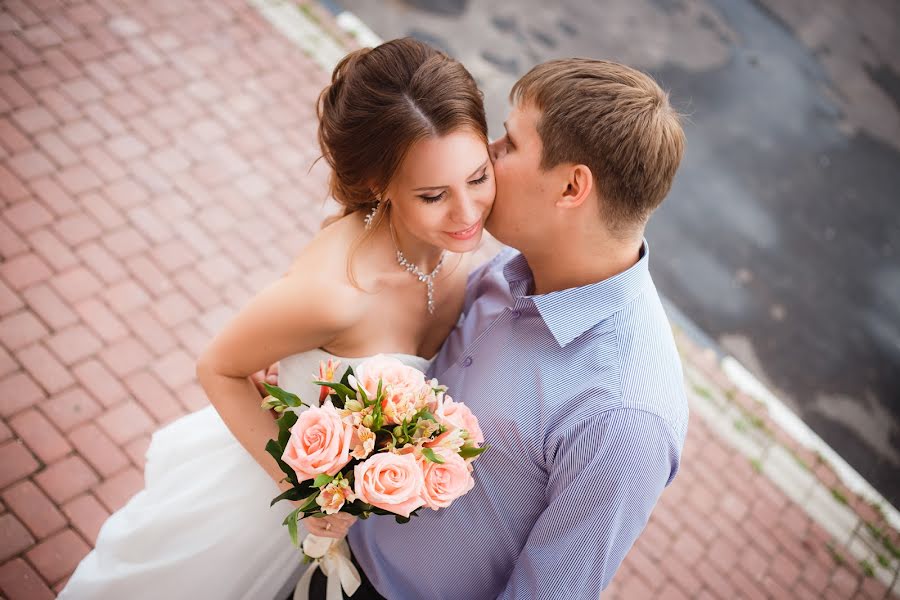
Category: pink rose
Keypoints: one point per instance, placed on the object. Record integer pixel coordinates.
(404, 387)
(390, 481)
(456, 415)
(445, 482)
(319, 443)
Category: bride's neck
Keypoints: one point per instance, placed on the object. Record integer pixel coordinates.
(414, 249)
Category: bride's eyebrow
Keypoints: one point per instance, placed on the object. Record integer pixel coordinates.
(438, 187)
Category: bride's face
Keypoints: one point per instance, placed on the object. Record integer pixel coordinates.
(444, 190)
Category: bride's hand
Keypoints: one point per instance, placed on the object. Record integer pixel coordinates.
(269, 376)
(333, 526)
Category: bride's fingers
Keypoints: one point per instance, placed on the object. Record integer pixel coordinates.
(319, 527)
(343, 518)
(272, 374)
(257, 379)
(336, 525)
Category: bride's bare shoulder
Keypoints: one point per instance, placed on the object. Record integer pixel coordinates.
(321, 266)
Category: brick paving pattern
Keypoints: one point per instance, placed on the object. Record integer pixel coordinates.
(154, 165)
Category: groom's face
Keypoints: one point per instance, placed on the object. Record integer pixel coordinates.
(521, 199)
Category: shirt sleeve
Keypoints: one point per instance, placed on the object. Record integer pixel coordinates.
(604, 479)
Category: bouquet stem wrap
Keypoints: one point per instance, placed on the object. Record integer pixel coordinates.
(333, 557)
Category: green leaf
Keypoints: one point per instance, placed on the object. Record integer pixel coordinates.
(283, 395)
(285, 422)
(283, 438)
(291, 522)
(401, 520)
(377, 413)
(275, 451)
(323, 479)
(363, 394)
(346, 378)
(292, 494)
(470, 452)
(337, 401)
(309, 503)
(341, 389)
(430, 455)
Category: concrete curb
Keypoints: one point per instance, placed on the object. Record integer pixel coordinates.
(783, 416)
(779, 445)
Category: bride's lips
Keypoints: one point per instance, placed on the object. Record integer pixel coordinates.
(466, 234)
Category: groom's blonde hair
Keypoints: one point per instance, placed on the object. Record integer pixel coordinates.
(615, 120)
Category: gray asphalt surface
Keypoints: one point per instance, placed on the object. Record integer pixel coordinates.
(781, 237)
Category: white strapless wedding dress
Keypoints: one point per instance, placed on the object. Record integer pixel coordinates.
(202, 526)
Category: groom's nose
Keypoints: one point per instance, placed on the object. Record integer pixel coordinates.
(495, 149)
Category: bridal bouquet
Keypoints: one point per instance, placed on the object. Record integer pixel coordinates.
(381, 440)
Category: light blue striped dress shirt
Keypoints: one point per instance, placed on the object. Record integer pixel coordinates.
(580, 395)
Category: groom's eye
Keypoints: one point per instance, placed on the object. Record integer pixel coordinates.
(507, 139)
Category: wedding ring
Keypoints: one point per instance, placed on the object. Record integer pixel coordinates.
(327, 526)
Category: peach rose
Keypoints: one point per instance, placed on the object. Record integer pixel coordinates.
(319, 443)
(404, 387)
(445, 482)
(390, 481)
(456, 415)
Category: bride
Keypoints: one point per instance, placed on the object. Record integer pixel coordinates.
(402, 127)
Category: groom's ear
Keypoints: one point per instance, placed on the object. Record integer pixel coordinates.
(579, 184)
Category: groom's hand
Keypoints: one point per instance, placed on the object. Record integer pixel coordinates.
(333, 526)
(269, 376)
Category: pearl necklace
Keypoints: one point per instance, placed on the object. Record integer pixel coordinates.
(426, 278)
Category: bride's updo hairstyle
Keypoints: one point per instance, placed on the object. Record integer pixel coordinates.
(380, 102)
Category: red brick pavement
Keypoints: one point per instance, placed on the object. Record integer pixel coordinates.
(153, 167)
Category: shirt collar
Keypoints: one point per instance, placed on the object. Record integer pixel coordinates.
(569, 313)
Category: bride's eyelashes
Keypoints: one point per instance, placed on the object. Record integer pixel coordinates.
(439, 197)
(431, 199)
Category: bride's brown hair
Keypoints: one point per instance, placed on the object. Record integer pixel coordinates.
(380, 102)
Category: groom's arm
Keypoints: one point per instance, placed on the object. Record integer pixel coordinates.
(605, 478)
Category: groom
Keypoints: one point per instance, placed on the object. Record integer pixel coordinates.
(564, 354)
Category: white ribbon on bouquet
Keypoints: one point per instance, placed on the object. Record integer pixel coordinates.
(333, 557)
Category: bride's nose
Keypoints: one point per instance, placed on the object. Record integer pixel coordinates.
(465, 210)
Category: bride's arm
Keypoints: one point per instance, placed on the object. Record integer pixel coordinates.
(291, 315)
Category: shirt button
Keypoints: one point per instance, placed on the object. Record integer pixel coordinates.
(516, 314)
(468, 361)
